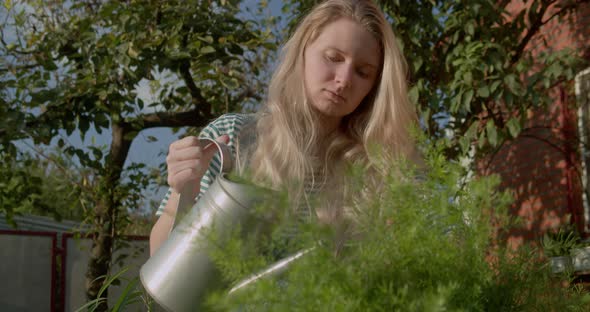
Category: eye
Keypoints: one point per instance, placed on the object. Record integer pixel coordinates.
(333, 58)
(362, 73)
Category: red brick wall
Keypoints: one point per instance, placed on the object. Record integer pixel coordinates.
(541, 167)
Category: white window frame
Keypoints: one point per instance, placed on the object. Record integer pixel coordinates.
(583, 100)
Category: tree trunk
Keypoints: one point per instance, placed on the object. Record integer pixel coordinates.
(105, 220)
(100, 256)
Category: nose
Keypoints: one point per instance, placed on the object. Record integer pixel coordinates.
(344, 76)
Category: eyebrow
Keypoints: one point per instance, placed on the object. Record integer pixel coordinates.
(363, 64)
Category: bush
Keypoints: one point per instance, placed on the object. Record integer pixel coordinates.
(427, 244)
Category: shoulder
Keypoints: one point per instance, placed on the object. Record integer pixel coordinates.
(230, 124)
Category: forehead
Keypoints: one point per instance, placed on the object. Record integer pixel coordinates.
(350, 38)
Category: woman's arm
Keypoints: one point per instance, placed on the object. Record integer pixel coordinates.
(163, 225)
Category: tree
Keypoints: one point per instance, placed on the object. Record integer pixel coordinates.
(68, 66)
(46, 186)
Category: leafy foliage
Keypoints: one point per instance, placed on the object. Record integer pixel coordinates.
(473, 71)
(76, 68)
(417, 245)
(18, 189)
(47, 185)
(561, 242)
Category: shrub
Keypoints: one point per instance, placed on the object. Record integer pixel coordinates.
(426, 244)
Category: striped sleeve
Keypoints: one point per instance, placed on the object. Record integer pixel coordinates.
(229, 124)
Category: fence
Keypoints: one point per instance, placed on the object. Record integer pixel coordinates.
(45, 271)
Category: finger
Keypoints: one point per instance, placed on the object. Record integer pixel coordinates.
(187, 153)
(185, 142)
(223, 139)
(194, 165)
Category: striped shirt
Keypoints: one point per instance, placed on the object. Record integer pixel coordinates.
(232, 125)
(229, 124)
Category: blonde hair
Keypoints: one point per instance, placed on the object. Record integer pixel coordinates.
(289, 148)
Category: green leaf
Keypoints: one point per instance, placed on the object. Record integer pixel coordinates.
(130, 135)
(207, 50)
(455, 103)
(207, 39)
(470, 29)
(96, 152)
(483, 91)
(91, 305)
(179, 55)
(102, 94)
(414, 94)
(495, 85)
(492, 133)
(140, 103)
(471, 132)
(468, 78)
(512, 83)
(83, 125)
(513, 127)
(464, 143)
(508, 98)
(467, 97)
(481, 142)
(128, 293)
(132, 52)
(418, 64)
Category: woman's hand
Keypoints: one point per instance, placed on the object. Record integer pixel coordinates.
(187, 162)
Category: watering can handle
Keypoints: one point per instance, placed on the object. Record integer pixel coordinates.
(224, 153)
(186, 201)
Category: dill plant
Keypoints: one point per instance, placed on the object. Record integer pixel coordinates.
(431, 243)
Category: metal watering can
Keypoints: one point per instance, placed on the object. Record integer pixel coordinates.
(180, 273)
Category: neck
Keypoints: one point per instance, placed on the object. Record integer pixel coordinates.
(328, 125)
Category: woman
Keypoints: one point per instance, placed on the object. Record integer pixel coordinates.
(339, 89)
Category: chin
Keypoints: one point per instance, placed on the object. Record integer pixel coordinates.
(328, 109)
(326, 112)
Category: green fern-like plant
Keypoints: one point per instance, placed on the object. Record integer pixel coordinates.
(421, 240)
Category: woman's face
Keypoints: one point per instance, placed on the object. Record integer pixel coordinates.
(341, 67)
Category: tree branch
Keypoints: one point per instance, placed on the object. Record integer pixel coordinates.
(502, 4)
(563, 9)
(531, 32)
(192, 118)
(537, 24)
(20, 67)
(201, 105)
(248, 93)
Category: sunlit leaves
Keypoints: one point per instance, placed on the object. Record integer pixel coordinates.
(471, 68)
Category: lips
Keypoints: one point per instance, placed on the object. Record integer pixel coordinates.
(334, 96)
